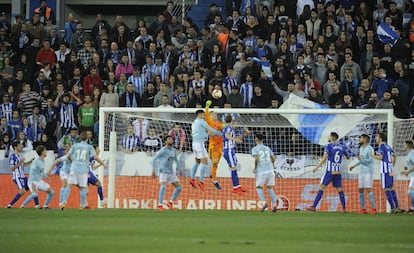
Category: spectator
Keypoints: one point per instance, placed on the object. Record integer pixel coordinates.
(382, 83)
(385, 102)
(92, 80)
(130, 141)
(235, 99)
(129, 98)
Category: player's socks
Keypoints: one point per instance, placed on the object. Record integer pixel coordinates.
(272, 195)
(15, 199)
(36, 200)
(203, 168)
(100, 193)
(342, 198)
(317, 199)
(66, 194)
(214, 173)
(372, 200)
(394, 199)
(61, 194)
(411, 194)
(83, 195)
(176, 192)
(161, 193)
(194, 170)
(261, 195)
(29, 198)
(362, 200)
(235, 178)
(389, 198)
(49, 198)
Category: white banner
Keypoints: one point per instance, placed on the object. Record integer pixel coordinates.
(290, 164)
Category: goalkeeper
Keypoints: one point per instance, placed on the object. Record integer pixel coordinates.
(215, 146)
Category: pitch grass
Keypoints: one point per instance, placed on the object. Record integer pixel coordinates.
(106, 230)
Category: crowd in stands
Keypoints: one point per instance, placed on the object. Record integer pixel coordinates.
(257, 52)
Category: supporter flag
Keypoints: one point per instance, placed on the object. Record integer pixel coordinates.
(386, 34)
(265, 66)
(317, 127)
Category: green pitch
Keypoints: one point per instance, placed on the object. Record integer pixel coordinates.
(122, 231)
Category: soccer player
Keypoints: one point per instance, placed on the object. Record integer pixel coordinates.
(229, 152)
(35, 181)
(166, 156)
(199, 132)
(215, 145)
(92, 179)
(365, 177)
(263, 168)
(409, 172)
(387, 159)
(333, 157)
(64, 171)
(17, 164)
(80, 153)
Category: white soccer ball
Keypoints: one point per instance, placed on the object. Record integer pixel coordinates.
(216, 93)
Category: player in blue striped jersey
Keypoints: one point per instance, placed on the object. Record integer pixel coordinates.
(199, 132)
(366, 173)
(166, 156)
(17, 164)
(387, 159)
(93, 179)
(409, 172)
(80, 154)
(229, 152)
(263, 168)
(35, 182)
(333, 158)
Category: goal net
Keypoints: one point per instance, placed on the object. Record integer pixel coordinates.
(296, 136)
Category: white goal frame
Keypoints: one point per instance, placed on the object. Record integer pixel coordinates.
(113, 138)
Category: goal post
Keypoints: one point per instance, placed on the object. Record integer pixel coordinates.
(296, 136)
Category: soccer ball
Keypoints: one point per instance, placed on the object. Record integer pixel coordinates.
(216, 93)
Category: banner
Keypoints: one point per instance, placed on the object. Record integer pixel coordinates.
(309, 124)
(142, 192)
(294, 165)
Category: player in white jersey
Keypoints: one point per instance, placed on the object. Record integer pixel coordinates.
(17, 164)
(37, 172)
(199, 132)
(263, 168)
(409, 172)
(166, 156)
(366, 173)
(80, 154)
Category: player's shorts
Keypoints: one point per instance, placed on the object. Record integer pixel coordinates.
(92, 179)
(230, 157)
(199, 150)
(63, 175)
(336, 179)
(21, 183)
(411, 184)
(267, 178)
(170, 178)
(80, 180)
(39, 185)
(365, 180)
(215, 153)
(387, 180)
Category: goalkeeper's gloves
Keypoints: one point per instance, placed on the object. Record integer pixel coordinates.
(208, 103)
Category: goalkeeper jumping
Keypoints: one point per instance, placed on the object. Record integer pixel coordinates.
(215, 146)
